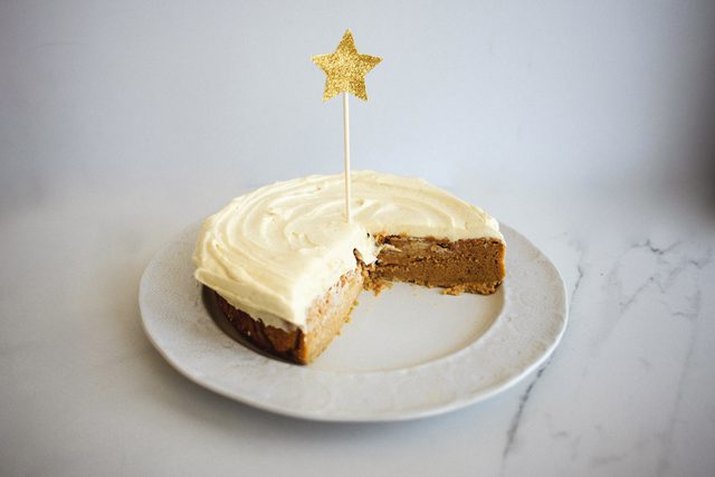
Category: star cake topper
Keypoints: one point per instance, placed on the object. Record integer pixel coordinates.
(345, 69)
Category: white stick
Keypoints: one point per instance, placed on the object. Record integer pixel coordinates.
(346, 131)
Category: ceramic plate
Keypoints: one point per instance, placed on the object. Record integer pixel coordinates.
(410, 352)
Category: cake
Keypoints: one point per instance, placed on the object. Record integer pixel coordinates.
(287, 268)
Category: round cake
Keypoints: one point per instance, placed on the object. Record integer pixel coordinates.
(287, 267)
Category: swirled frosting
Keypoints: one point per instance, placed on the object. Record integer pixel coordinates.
(273, 251)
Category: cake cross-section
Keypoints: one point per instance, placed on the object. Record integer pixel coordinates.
(286, 267)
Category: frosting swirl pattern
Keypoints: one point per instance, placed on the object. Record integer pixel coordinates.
(273, 251)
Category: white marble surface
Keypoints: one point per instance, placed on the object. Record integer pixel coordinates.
(630, 391)
(123, 123)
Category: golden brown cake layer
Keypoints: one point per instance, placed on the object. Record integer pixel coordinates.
(469, 265)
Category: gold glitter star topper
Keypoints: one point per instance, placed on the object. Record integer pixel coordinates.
(345, 69)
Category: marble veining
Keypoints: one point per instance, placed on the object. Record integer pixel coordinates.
(511, 434)
(690, 309)
(516, 419)
(651, 297)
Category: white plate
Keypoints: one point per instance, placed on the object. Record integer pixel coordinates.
(410, 352)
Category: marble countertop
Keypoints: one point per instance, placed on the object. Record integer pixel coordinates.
(630, 391)
(586, 126)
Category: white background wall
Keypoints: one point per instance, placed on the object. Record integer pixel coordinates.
(495, 93)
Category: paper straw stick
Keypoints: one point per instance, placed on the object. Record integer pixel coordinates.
(346, 132)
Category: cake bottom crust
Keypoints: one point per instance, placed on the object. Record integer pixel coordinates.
(326, 317)
(470, 265)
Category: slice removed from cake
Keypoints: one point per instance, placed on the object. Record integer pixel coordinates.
(287, 267)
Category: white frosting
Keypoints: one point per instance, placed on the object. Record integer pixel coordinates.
(273, 251)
